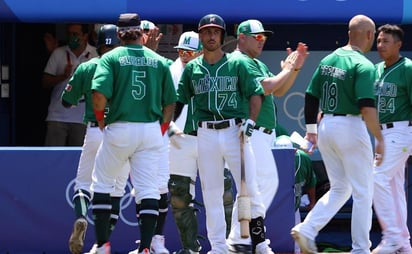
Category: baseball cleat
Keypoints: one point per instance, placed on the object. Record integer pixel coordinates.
(104, 249)
(76, 240)
(405, 249)
(385, 247)
(307, 246)
(158, 245)
(263, 248)
(240, 248)
(185, 251)
(93, 250)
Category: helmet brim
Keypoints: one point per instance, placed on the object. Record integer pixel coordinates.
(211, 25)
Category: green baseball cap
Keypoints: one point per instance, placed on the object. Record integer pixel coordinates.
(252, 26)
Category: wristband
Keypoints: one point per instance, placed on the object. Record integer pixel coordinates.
(312, 128)
(164, 126)
(99, 114)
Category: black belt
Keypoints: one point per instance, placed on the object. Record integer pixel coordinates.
(93, 124)
(391, 125)
(322, 114)
(192, 133)
(221, 125)
(263, 129)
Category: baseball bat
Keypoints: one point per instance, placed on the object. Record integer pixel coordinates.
(244, 214)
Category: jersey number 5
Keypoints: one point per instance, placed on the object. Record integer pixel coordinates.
(138, 86)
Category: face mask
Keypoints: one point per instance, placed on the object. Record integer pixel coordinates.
(73, 42)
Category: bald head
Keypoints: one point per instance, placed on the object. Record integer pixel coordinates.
(361, 23)
(361, 32)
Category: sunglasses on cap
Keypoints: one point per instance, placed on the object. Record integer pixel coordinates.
(258, 37)
(183, 52)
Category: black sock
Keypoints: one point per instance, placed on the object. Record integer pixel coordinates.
(101, 215)
(149, 209)
(163, 208)
(114, 216)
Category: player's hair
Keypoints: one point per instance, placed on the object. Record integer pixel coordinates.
(393, 30)
(130, 34)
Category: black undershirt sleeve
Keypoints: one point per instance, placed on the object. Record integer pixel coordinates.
(311, 109)
(178, 110)
(66, 104)
(367, 102)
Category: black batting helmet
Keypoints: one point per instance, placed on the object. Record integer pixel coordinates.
(213, 20)
(107, 36)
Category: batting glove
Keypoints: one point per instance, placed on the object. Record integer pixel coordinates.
(173, 132)
(173, 129)
(246, 129)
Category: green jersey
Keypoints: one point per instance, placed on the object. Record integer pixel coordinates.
(80, 86)
(267, 113)
(191, 122)
(136, 82)
(393, 89)
(341, 79)
(304, 175)
(221, 90)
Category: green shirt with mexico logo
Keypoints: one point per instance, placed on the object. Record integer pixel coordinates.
(393, 89)
(220, 91)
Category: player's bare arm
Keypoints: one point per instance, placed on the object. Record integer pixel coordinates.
(302, 53)
(273, 85)
(283, 81)
(369, 115)
(168, 112)
(99, 103)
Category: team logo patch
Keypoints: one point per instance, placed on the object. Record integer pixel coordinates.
(68, 88)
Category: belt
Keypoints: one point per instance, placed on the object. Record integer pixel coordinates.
(92, 124)
(192, 133)
(336, 114)
(395, 124)
(263, 129)
(220, 125)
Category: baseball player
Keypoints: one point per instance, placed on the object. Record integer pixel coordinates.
(227, 101)
(342, 86)
(80, 86)
(251, 39)
(183, 156)
(151, 39)
(133, 132)
(394, 99)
